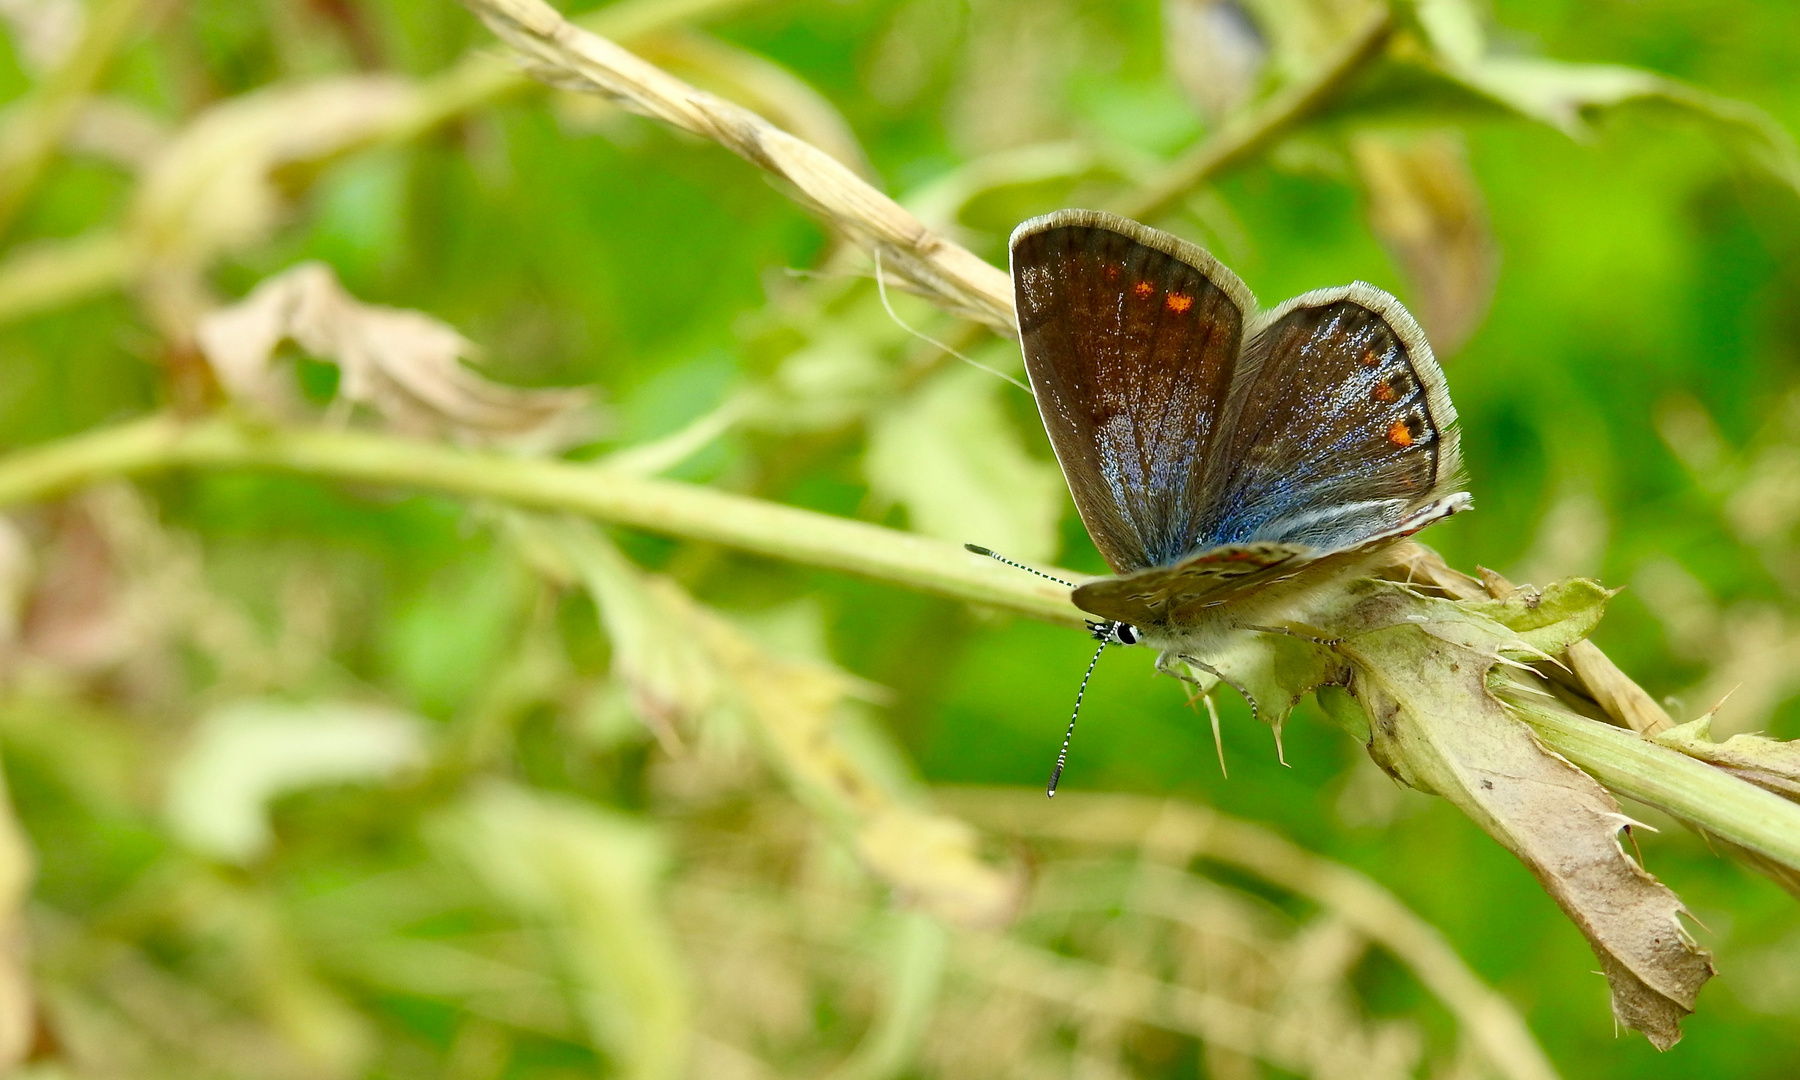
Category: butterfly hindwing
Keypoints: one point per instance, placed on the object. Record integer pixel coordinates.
(1339, 425)
(1168, 598)
(1149, 597)
(1131, 339)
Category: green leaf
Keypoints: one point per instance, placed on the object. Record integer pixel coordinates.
(590, 879)
(949, 454)
(1565, 95)
(1552, 619)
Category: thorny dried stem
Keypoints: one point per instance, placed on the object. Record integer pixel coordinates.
(570, 56)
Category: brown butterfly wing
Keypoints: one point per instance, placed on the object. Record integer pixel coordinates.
(1172, 597)
(1131, 339)
(1340, 425)
(1149, 598)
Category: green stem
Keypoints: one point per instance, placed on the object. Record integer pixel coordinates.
(1691, 790)
(662, 506)
(1249, 134)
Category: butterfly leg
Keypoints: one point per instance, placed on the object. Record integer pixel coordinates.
(1197, 692)
(1243, 692)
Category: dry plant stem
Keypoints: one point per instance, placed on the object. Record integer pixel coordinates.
(39, 121)
(485, 75)
(1251, 132)
(954, 276)
(661, 506)
(1490, 1020)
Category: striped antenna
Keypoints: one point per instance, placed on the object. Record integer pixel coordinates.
(1062, 756)
(996, 556)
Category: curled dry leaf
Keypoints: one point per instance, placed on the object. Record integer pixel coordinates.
(214, 188)
(1421, 676)
(1434, 724)
(405, 365)
(693, 669)
(1426, 209)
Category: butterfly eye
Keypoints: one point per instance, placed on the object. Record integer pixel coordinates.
(1126, 633)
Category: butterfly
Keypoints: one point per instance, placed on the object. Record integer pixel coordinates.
(1229, 463)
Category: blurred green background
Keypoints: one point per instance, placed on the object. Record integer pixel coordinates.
(506, 851)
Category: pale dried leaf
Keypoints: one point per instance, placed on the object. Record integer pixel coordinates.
(591, 878)
(118, 130)
(211, 190)
(1436, 726)
(243, 756)
(1215, 51)
(1768, 763)
(18, 1021)
(692, 668)
(1425, 207)
(17, 570)
(949, 455)
(43, 31)
(405, 365)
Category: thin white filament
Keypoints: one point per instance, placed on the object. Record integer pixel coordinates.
(881, 287)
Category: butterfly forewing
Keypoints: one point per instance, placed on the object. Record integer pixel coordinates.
(1339, 426)
(1131, 338)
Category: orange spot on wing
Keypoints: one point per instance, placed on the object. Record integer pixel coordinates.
(1369, 358)
(1112, 273)
(1384, 391)
(1178, 303)
(1143, 289)
(1399, 434)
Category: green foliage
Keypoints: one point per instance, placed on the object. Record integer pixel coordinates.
(325, 777)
